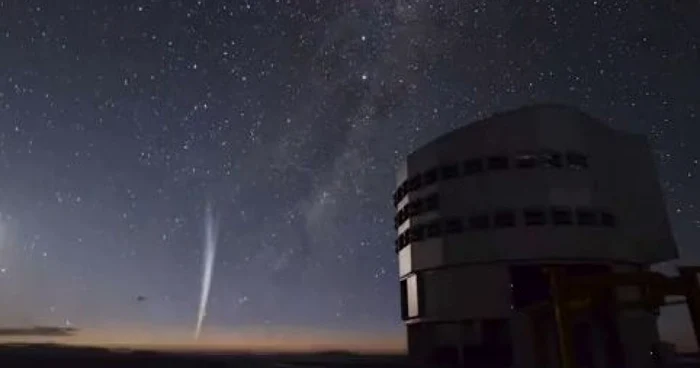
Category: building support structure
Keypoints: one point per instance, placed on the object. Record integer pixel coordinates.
(572, 295)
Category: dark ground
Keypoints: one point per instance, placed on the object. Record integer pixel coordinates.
(43, 355)
(48, 355)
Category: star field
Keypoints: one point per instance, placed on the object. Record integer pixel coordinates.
(120, 120)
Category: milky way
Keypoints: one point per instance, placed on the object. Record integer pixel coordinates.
(118, 118)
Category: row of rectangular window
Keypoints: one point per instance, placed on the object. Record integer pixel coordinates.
(417, 207)
(535, 216)
(551, 159)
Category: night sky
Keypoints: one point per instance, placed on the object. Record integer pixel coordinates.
(120, 120)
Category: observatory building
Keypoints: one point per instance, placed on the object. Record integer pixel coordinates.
(483, 210)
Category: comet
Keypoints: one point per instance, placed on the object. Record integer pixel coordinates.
(211, 233)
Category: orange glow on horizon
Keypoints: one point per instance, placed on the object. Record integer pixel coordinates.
(246, 340)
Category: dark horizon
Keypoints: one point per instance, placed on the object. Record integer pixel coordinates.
(38, 331)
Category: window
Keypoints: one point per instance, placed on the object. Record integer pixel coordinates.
(450, 171)
(454, 226)
(416, 233)
(415, 183)
(497, 162)
(396, 221)
(585, 217)
(400, 193)
(479, 222)
(403, 215)
(525, 161)
(576, 160)
(562, 216)
(551, 159)
(414, 296)
(434, 230)
(417, 207)
(404, 300)
(402, 190)
(608, 220)
(503, 218)
(534, 217)
(403, 240)
(405, 260)
(409, 209)
(395, 196)
(430, 177)
(473, 166)
(432, 202)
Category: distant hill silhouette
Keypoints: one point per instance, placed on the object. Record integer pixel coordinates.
(337, 353)
(56, 355)
(43, 331)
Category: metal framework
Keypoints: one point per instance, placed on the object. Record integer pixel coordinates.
(570, 295)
